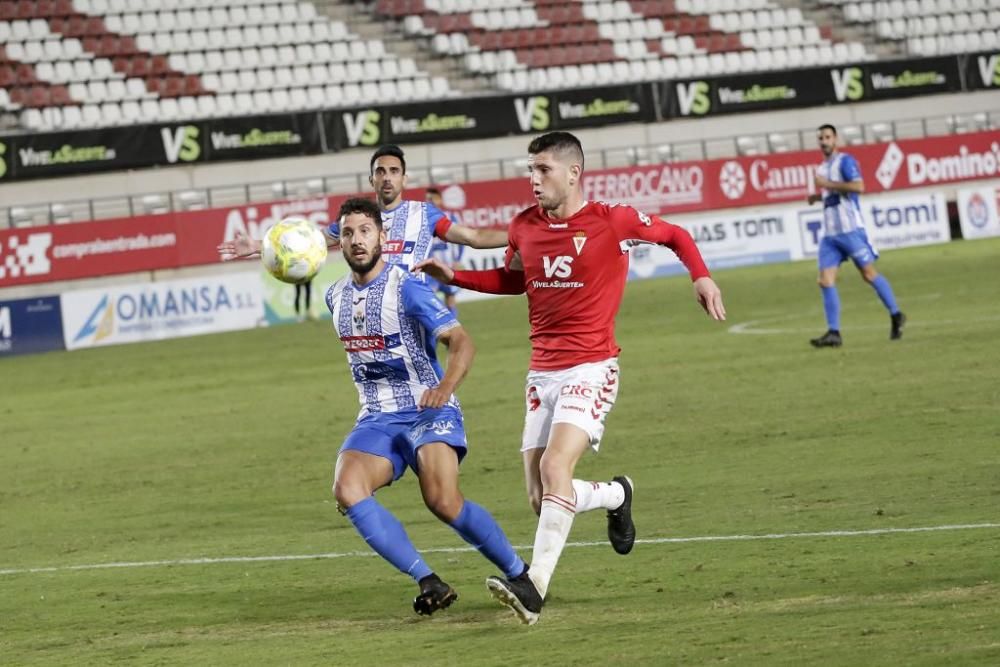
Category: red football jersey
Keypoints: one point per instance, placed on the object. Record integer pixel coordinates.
(575, 271)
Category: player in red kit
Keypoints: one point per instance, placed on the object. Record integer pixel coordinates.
(571, 258)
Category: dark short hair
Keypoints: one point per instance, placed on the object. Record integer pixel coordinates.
(827, 126)
(391, 150)
(559, 142)
(365, 207)
(433, 191)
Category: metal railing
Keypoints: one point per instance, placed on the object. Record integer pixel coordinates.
(81, 210)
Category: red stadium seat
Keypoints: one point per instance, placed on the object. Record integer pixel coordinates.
(26, 9)
(8, 11)
(7, 76)
(25, 74)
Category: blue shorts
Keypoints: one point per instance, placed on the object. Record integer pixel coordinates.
(447, 290)
(397, 436)
(836, 249)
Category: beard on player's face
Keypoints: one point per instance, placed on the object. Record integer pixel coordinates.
(361, 266)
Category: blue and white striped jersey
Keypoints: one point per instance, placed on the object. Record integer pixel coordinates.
(841, 211)
(389, 328)
(410, 231)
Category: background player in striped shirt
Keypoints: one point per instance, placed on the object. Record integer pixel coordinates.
(411, 226)
(387, 322)
(571, 258)
(840, 185)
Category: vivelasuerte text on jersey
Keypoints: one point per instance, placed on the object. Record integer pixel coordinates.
(410, 229)
(574, 274)
(388, 329)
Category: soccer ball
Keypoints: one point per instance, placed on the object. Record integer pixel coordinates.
(293, 250)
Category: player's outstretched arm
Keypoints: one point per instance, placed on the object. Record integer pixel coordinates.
(436, 269)
(476, 238)
(241, 246)
(460, 353)
(709, 296)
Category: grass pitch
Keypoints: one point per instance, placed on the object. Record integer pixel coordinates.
(223, 446)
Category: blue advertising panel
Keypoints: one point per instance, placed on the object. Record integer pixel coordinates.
(30, 325)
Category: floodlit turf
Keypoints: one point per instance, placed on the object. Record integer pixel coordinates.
(223, 446)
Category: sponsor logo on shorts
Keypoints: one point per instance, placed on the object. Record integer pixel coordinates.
(438, 427)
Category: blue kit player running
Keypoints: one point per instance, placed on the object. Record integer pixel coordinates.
(387, 322)
(840, 184)
(411, 227)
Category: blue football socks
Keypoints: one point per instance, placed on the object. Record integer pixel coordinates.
(884, 291)
(831, 306)
(385, 534)
(480, 529)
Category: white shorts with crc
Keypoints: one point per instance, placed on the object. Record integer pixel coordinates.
(581, 395)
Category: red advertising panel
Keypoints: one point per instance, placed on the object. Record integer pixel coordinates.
(63, 252)
(86, 249)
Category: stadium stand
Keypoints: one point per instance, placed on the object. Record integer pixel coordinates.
(930, 27)
(526, 45)
(88, 63)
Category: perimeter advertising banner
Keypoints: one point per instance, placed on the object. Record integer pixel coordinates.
(812, 87)
(154, 311)
(146, 243)
(482, 117)
(891, 221)
(982, 70)
(979, 211)
(30, 325)
(45, 155)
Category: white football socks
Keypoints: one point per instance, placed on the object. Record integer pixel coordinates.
(554, 523)
(595, 495)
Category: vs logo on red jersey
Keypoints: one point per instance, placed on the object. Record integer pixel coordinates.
(557, 267)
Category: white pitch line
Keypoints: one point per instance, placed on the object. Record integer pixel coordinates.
(368, 554)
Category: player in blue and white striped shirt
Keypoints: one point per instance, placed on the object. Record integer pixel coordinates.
(388, 323)
(840, 185)
(411, 227)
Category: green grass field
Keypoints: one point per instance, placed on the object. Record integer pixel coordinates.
(223, 446)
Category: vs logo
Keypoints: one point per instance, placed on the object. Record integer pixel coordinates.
(362, 128)
(848, 84)
(693, 98)
(181, 143)
(532, 113)
(989, 69)
(558, 267)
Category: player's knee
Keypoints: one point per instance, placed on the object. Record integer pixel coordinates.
(553, 471)
(869, 273)
(446, 505)
(348, 494)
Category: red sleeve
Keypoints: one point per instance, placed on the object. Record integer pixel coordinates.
(636, 227)
(495, 281)
(441, 226)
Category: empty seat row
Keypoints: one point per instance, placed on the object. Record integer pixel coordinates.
(243, 103)
(754, 19)
(300, 50)
(183, 19)
(251, 58)
(962, 42)
(902, 28)
(303, 75)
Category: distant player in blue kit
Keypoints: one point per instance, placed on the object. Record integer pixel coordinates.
(840, 184)
(387, 322)
(411, 227)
